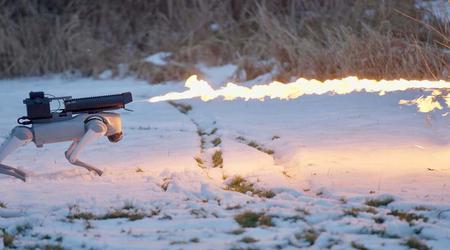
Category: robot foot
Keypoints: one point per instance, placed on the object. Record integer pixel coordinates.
(88, 167)
(14, 172)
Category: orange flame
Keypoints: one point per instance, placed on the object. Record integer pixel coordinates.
(277, 90)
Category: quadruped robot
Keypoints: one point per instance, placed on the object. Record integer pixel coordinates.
(81, 121)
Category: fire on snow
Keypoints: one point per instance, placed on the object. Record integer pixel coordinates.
(201, 89)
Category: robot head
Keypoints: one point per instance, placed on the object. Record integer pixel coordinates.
(115, 137)
(113, 124)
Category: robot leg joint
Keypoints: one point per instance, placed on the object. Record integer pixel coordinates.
(22, 133)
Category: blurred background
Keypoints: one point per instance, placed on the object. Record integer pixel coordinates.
(319, 39)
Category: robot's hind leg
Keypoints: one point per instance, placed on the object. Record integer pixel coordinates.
(14, 172)
(20, 136)
(79, 163)
(95, 130)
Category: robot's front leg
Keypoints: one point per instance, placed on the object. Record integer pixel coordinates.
(95, 130)
(20, 136)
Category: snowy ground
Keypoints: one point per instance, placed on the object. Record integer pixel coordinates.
(356, 171)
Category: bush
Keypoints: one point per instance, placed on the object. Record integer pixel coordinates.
(252, 219)
(314, 39)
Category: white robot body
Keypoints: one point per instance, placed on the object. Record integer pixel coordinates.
(81, 129)
(89, 124)
(74, 128)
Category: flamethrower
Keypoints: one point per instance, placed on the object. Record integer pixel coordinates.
(81, 121)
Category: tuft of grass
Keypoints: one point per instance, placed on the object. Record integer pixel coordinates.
(266, 221)
(233, 207)
(183, 242)
(241, 138)
(355, 211)
(238, 231)
(422, 208)
(183, 108)
(21, 229)
(216, 142)
(309, 236)
(414, 243)
(199, 161)
(128, 205)
(120, 214)
(194, 240)
(46, 237)
(52, 247)
(202, 143)
(285, 173)
(213, 131)
(88, 225)
(294, 218)
(379, 202)
(268, 151)
(8, 239)
(247, 219)
(252, 219)
(260, 148)
(165, 184)
(249, 240)
(304, 211)
(253, 144)
(409, 217)
(378, 220)
(200, 132)
(81, 216)
(127, 212)
(241, 185)
(217, 159)
(275, 137)
(358, 246)
(2, 204)
(139, 170)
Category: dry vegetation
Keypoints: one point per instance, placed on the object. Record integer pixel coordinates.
(313, 39)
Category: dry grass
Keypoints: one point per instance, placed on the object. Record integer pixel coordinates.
(409, 217)
(241, 185)
(255, 145)
(217, 159)
(183, 108)
(414, 243)
(355, 211)
(252, 219)
(8, 239)
(314, 39)
(310, 236)
(379, 202)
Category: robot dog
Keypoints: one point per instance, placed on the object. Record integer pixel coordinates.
(81, 121)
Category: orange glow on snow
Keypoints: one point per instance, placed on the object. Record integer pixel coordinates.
(276, 90)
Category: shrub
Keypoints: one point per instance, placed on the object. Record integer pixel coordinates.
(241, 185)
(252, 219)
(379, 202)
(314, 39)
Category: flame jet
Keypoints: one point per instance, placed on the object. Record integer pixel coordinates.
(276, 90)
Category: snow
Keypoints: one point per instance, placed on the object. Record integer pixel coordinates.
(158, 58)
(218, 75)
(106, 74)
(330, 155)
